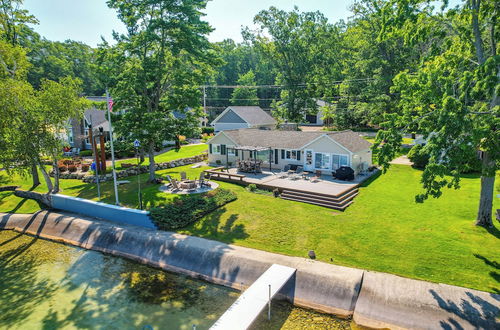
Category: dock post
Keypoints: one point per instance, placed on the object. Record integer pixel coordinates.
(269, 305)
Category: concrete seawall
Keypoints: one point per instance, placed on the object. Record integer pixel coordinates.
(374, 299)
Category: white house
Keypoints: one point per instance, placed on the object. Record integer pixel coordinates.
(316, 119)
(235, 117)
(324, 151)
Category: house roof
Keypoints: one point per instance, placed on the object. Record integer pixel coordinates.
(98, 118)
(253, 115)
(294, 139)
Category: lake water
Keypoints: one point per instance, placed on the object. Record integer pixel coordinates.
(47, 285)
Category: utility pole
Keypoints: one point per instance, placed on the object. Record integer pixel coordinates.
(109, 105)
(204, 104)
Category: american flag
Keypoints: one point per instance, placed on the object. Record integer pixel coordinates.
(110, 104)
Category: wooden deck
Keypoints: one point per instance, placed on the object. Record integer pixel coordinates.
(328, 192)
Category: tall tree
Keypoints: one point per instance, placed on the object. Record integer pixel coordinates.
(288, 39)
(453, 100)
(163, 38)
(245, 95)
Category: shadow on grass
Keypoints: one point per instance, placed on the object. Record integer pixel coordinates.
(495, 273)
(371, 179)
(212, 226)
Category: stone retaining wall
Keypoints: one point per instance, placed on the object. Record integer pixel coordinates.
(89, 178)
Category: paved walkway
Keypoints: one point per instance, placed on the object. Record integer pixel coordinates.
(402, 160)
(375, 300)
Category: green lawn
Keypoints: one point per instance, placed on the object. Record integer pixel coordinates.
(384, 230)
(184, 152)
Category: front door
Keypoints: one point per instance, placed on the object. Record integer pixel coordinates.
(308, 160)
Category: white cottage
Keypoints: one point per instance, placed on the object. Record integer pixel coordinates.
(235, 117)
(324, 151)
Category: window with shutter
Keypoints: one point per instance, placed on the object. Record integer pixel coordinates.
(276, 156)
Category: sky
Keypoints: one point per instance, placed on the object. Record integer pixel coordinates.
(88, 20)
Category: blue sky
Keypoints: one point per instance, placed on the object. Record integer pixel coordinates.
(87, 20)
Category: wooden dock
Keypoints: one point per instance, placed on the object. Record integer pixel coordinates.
(252, 302)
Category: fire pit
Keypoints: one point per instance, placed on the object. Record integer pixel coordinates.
(188, 184)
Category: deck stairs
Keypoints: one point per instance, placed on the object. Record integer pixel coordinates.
(340, 202)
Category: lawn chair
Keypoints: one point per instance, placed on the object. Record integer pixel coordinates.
(183, 176)
(175, 186)
(76, 151)
(169, 179)
(317, 177)
(284, 174)
(202, 182)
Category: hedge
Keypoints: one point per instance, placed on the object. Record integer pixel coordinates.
(187, 209)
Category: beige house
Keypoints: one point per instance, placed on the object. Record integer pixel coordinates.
(324, 151)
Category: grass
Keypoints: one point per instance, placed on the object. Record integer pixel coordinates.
(384, 230)
(173, 154)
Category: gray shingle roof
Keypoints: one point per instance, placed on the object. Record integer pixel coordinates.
(294, 139)
(253, 115)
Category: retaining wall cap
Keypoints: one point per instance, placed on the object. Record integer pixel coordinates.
(390, 301)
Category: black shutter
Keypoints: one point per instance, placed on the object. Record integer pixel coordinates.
(236, 152)
(282, 154)
(210, 148)
(298, 154)
(276, 156)
(222, 149)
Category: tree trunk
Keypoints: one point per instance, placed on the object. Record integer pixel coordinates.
(484, 214)
(151, 154)
(46, 176)
(55, 190)
(177, 142)
(35, 176)
(141, 155)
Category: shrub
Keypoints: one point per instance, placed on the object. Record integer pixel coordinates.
(85, 167)
(218, 162)
(62, 168)
(190, 208)
(72, 168)
(66, 161)
(207, 130)
(86, 153)
(252, 187)
(419, 156)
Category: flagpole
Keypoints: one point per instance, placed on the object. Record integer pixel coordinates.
(112, 147)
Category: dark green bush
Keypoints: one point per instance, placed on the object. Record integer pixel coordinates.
(187, 209)
(207, 130)
(86, 153)
(418, 156)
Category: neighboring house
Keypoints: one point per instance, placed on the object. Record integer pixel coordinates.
(316, 119)
(235, 117)
(325, 151)
(78, 129)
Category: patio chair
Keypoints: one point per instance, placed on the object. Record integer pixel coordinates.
(183, 176)
(283, 174)
(202, 182)
(175, 185)
(169, 179)
(317, 177)
(75, 151)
